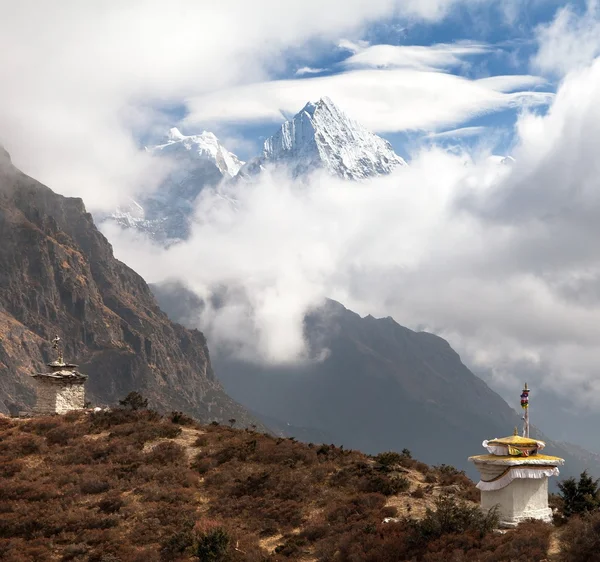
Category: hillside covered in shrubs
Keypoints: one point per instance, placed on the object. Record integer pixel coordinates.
(131, 486)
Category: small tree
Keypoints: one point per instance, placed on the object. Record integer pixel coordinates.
(134, 401)
(232, 422)
(452, 517)
(211, 542)
(388, 458)
(579, 496)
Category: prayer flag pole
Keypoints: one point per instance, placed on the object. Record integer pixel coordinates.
(525, 406)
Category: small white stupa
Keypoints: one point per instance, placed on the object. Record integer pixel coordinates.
(514, 475)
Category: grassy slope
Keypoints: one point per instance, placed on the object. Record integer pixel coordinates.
(132, 486)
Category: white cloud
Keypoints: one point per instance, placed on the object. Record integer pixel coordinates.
(499, 259)
(511, 83)
(417, 57)
(75, 74)
(382, 100)
(308, 70)
(570, 41)
(463, 132)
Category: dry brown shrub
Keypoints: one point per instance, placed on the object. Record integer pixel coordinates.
(182, 419)
(141, 432)
(20, 446)
(111, 503)
(87, 497)
(41, 426)
(159, 494)
(10, 468)
(166, 453)
(6, 424)
(430, 477)
(580, 539)
(64, 433)
(94, 487)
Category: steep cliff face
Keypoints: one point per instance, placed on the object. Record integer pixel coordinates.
(58, 275)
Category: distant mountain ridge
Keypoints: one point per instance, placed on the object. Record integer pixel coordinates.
(381, 387)
(318, 137)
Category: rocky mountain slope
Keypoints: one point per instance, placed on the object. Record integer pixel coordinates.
(321, 136)
(196, 161)
(58, 275)
(381, 386)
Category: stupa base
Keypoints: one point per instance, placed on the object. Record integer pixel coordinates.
(511, 521)
(522, 499)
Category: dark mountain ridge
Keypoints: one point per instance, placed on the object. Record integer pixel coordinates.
(380, 387)
(58, 275)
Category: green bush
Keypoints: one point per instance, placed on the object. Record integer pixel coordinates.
(182, 419)
(453, 517)
(179, 542)
(134, 401)
(389, 458)
(579, 496)
(211, 541)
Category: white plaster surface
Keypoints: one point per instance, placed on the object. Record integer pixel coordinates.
(523, 498)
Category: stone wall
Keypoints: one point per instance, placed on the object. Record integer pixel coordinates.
(57, 397)
(70, 397)
(45, 403)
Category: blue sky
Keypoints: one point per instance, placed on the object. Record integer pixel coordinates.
(509, 36)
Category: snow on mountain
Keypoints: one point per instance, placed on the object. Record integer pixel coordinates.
(197, 161)
(322, 136)
(203, 146)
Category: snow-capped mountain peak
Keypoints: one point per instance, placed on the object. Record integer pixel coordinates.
(198, 161)
(321, 135)
(203, 146)
(174, 135)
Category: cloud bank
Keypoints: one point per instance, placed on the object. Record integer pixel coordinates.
(499, 257)
(382, 100)
(571, 40)
(417, 57)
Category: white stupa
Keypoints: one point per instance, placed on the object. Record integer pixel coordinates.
(62, 389)
(514, 475)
